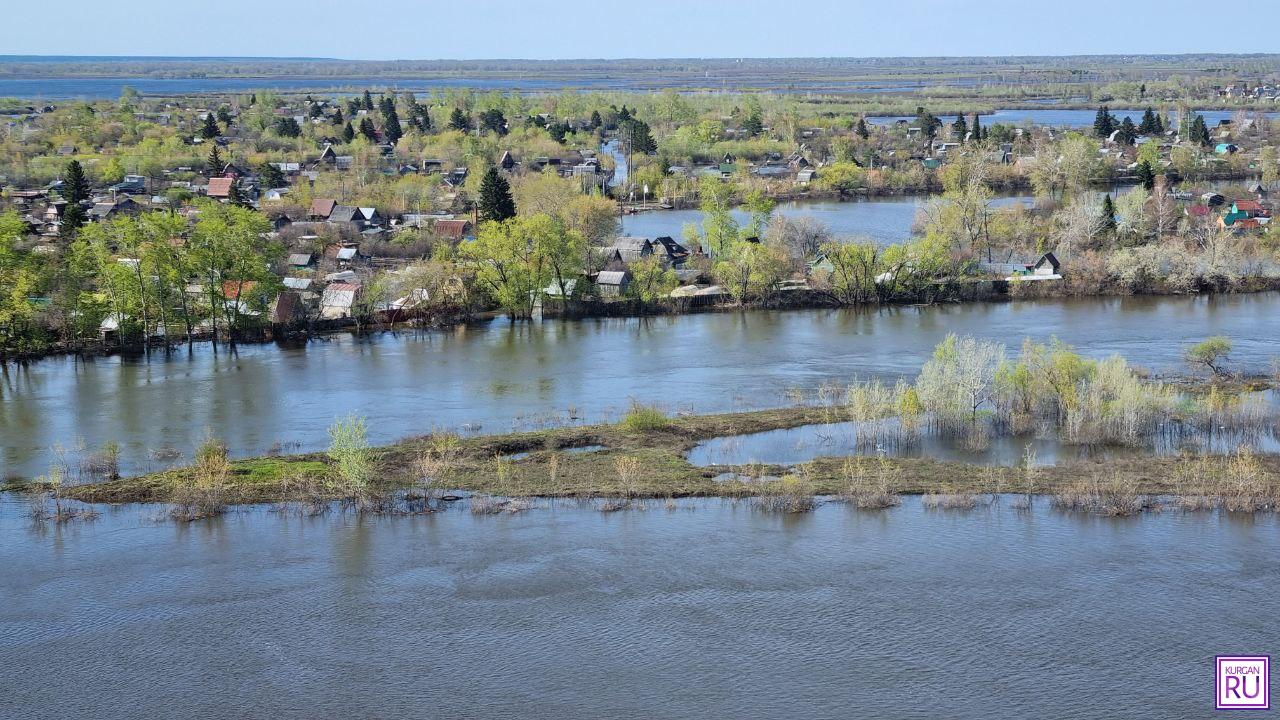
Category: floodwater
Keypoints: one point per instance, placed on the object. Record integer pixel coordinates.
(1057, 117)
(497, 376)
(885, 220)
(708, 610)
(791, 446)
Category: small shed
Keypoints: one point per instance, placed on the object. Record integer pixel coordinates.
(613, 283)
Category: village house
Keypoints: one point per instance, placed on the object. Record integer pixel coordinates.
(613, 283)
(338, 299)
(103, 211)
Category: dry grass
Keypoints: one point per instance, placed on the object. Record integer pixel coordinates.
(1113, 496)
(949, 501)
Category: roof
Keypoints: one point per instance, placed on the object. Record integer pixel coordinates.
(220, 187)
(294, 283)
(322, 207)
(632, 243)
(1050, 259)
(300, 259)
(452, 229)
(346, 253)
(344, 213)
(339, 295)
(611, 277)
(236, 289)
(288, 305)
(1248, 206)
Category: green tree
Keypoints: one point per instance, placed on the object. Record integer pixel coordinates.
(288, 127)
(1108, 215)
(1150, 123)
(495, 203)
(637, 133)
(1211, 353)
(753, 125)
(1146, 176)
(751, 270)
(368, 130)
(391, 125)
(214, 164)
(231, 254)
(1128, 133)
(959, 128)
(1103, 124)
(73, 218)
(458, 120)
(517, 258)
(1200, 131)
(348, 133)
(494, 121)
(854, 267)
(113, 171)
(75, 184)
(367, 102)
(210, 130)
(650, 281)
(861, 129)
(271, 176)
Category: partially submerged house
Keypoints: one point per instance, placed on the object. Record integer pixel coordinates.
(613, 283)
(338, 300)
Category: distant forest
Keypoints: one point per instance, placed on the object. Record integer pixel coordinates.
(1069, 69)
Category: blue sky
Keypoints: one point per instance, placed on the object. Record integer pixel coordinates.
(468, 29)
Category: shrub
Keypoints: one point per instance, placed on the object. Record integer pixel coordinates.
(349, 450)
(1211, 353)
(645, 418)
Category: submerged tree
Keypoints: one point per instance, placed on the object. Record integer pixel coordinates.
(1210, 353)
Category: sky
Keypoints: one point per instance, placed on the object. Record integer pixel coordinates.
(534, 29)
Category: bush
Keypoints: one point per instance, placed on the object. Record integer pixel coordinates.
(1210, 353)
(349, 450)
(645, 418)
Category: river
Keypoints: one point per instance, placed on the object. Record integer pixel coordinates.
(497, 376)
(707, 610)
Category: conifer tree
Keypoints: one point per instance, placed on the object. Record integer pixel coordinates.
(214, 162)
(862, 130)
(348, 134)
(458, 120)
(391, 125)
(1146, 175)
(495, 201)
(76, 185)
(210, 129)
(1103, 124)
(1108, 214)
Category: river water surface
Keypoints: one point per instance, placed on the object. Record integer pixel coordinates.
(496, 376)
(708, 610)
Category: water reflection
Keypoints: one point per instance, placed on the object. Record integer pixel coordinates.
(498, 375)
(711, 609)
